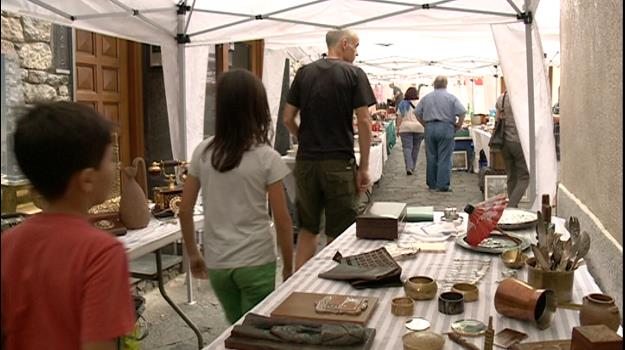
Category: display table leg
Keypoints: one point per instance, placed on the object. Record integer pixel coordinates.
(161, 288)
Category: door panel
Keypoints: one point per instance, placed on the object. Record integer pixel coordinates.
(102, 83)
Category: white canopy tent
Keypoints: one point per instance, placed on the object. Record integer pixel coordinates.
(400, 32)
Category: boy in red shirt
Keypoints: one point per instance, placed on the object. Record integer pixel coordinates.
(65, 284)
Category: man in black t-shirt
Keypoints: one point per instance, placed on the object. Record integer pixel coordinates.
(326, 93)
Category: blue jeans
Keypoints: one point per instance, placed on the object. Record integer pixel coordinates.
(410, 143)
(439, 142)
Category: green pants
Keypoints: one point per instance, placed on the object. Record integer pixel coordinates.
(240, 289)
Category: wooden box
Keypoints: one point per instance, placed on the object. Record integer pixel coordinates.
(381, 220)
(595, 337)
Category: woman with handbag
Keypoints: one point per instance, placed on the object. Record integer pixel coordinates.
(409, 130)
(511, 150)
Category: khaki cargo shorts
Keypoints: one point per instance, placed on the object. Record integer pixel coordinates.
(330, 186)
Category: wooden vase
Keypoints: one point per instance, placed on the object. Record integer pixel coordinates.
(133, 205)
(599, 309)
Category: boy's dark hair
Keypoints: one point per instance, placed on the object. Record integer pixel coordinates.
(242, 118)
(55, 141)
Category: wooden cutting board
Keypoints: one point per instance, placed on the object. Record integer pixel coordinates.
(301, 306)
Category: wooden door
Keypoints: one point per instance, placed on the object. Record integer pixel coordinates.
(102, 83)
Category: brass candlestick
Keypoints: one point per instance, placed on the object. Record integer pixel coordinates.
(489, 335)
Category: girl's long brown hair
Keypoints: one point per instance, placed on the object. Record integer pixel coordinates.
(242, 118)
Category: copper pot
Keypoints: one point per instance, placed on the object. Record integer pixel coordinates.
(517, 299)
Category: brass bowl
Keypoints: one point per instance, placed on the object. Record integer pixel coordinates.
(402, 306)
(425, 340)
(513, 258)
(468, 290)
(421, 288)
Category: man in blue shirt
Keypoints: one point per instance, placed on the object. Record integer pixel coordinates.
(437, 112)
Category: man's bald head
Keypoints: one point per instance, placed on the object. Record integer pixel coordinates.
(334, 37)
(440, 82)
(342, 44)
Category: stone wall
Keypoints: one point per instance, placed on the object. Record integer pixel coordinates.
(591, 132)
(29, 73)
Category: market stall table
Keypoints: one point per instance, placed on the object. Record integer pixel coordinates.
(480, 138)
(389, 328)
(391, 138)
(152, 238)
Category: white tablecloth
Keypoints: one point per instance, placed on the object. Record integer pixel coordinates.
(480, 142)
(389, 328)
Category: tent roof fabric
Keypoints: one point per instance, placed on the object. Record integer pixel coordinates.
(412, 37)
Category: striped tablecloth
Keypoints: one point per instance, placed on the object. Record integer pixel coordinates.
(389, 328)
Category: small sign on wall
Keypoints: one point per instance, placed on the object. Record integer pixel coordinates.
(155, 56)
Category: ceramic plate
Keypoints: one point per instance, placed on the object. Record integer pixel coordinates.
(496, 243)
(417, 324)
(517, 219)
(471, 328)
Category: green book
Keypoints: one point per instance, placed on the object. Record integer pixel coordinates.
(415, 214)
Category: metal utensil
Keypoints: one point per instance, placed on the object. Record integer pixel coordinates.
(584, 247)
(542, 260)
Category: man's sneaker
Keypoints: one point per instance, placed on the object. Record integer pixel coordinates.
(409, 172)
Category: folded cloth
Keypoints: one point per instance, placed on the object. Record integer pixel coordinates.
(416, 214)
(372, 269)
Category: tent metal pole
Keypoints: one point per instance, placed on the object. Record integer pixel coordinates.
(221, 27)
(390, 2)
(299, 22)
(295, 7)
(52, 9)
(514, 6)
(236, 14)
(186, 26)
(391, 14)
(104, 15)
(153, 24)
(182, 124)
(445, 8)
(530, 103)
(239, 14)
(259, 17)
(137, 14)
(159, 9)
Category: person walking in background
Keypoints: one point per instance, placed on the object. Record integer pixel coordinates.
(398, 96)
(442, 114)
(326, 93)
(409, 130)
(512, 152)
(65, 284)
(237, 170)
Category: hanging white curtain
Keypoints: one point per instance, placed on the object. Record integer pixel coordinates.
(273, 72)
(196, 66)
(171, 78)
(511, 48)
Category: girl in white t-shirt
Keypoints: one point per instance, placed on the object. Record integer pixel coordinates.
(409, 130)
(237, 171)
